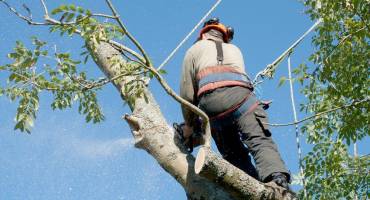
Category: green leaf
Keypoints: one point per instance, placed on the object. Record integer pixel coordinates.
(12, 77)
(162, 71)
(84, 53)
(88, 12)
(56, 11)
(88, 118)
(63, 7)
(69, 18)
(72, 7)
(62, 19)
(86, 59)
(19, 126)
(282, 81)
(80, 9)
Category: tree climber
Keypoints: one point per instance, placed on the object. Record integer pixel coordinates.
(213, 78)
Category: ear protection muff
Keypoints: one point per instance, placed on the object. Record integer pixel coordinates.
(230, 32)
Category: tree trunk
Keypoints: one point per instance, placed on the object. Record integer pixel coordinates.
(153, 134)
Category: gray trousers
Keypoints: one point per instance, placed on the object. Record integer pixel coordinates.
(231, 135)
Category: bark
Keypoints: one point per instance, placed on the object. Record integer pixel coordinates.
(153, 134)
(234, 180)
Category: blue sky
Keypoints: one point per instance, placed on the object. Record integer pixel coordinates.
(65, 158)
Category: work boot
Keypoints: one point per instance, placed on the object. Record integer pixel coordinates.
(280, 179)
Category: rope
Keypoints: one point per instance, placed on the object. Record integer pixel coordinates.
(296, 127)
(189, 34)
(270, 69)
(355, 155)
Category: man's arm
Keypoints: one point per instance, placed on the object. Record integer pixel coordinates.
(187, 88)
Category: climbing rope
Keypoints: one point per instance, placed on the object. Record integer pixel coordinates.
(270, 69)
(269, 72)
(296, 127)
(188, 36)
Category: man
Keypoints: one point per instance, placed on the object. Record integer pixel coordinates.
(214, 79)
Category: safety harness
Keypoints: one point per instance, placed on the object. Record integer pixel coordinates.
(213, 77)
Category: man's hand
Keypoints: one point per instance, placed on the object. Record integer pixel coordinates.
(184, 132)
(197, 139)
(188, 131)
(187, 136)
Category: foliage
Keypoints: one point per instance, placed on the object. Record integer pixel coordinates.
(341, 77)
(27, 79)
(77, 19)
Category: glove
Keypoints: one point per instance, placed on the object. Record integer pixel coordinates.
(185, 134)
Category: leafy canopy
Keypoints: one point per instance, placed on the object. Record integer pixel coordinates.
(41, 68)
(339, 77)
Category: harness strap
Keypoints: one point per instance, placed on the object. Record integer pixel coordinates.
(247, 105)
(220, 53)
(214, 77)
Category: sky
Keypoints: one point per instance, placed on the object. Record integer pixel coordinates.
(66, 158)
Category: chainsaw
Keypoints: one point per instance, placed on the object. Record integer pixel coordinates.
(190, 142)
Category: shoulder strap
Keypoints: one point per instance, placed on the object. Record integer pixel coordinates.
(220, 54)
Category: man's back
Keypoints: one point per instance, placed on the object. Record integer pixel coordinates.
(204, 54)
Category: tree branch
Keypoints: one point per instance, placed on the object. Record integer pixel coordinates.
(105, 81)
(28, 20)
(121, 48)
(123, 27)
(363, 19)
(343, 39)
(235, 181)
(354, 103)
(50, 21)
